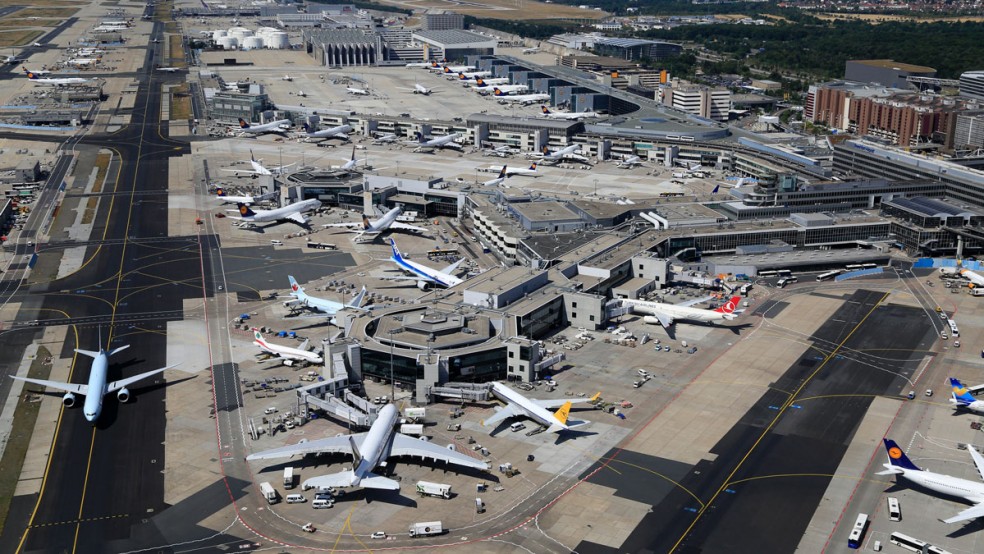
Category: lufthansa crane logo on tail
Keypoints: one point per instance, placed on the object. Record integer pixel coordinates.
(242, 210)
(895, 453)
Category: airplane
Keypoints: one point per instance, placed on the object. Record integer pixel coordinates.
(537, 410)
(168, 69)
(58, 82)
(558, 155)
(963, 397)
(385, 223)
(84, 61)
(468, 74)
(506, 90)
(288, 78)
(502, 151)
(972, 491)
(629, 162)
(418, 64)
(498, 180)
(258, 168)
(301, 354)
(340, 131)
(455, 68)
(248, 199)
(568, 115)
(327, 307)
(425, 276)
(302, 94)
(272, 127)
(531, 50)
(350, 164)
(666, 314)
(484, 86)
(421, 89)
(388, 138)
(38, 44)
(976, 279)
(291, 212)
(357, 91)
(524, 99)
(524, 171)
(97, 387)
(13, 60)
(447, 141)
(368, 451)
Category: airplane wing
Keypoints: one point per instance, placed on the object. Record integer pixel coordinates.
(970, 513)
(331, 445)
(298, 217)
(409, 446)
(117, 385)
(689, 303)
(240, 171)
(75, 388)
(975, 389)
(405, 227)
(664, 319)
(506, 412)
(558, 402)
(978, 459)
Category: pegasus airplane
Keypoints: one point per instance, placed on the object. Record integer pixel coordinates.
(54, 81)
(386, 223)
(327, 307)
(341, 131)
(278, 126)
(370, 450)
(972, 491)
(287, 353)
(963, 397)
(423, 275)
(98, 385)
(537, 410)
(667, 314)
(292, 212)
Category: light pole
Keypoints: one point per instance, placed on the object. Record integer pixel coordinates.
(392, 382)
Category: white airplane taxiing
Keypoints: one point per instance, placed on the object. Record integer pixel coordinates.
(292, 212)
(501, 178)
(279, 126)
(301, 354)
(370, 450)
(168, 69)
(545, 112)
(538, 410)
(963, 397)
(98, 385)
(320, 305)
(259, 169)
(522, 171)
(387, 222)
(972, 491)
(421, 89)
(667, 314)
(288, 78)
(340, 131)
(423, 275)
(53, 81)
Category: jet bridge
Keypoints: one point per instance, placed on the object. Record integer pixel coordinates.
(466, 392)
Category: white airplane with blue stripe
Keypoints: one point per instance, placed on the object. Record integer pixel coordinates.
(962, 397)
(425, 276)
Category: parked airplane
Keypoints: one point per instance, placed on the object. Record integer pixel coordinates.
(168, 69)
(97, 387)
(320, 305)
(418, 65)
(388, 138)
(247, 199)
(523, 171)
(502, 151)
(498, 180)
(425, 276)
(975, 278)
(558, 155)
(292, 212)
(421, 89)
(387, 222)
(468, 74)
(531, 50)
(288, 353)
(506, 91)
(972, 491)
(340, 131)
(357, 91)
(278, 126)
(288, 78)
(258, 168)
(667, 314)
(368, 451)
(963, 397)
(629, 162)
(83, 61)
(447, 141)
(350, 164)
(454, 68)
(537, 410)
(567, 115)
(302, 94)
(54, 81)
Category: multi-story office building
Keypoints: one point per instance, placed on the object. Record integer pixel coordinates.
(968, 133)
(888, 73)
(972, 84)
(702, 101)
(445, 21)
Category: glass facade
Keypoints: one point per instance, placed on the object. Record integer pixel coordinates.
(376, 363)
(478, 367)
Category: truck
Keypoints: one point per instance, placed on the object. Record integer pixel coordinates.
(289, 477)
(268, 492)
(426, 488)
(414, 414)
(426, 529)
(415, 429)
(977, 291)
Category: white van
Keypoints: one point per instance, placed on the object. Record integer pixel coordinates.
(296, 498)
(518, 426)
(322, 503)
(277, 242)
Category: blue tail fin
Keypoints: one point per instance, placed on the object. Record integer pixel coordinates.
(396, 251)
(307, 129)
(502, 173)
(897, 457)
(420, 136)
(960, 392)
(244, 210)
(716, 189)
(243, 124)
(533, 166)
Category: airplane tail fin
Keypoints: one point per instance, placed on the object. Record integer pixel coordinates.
(479, 82)
(533, 166)
(396, 251)
(353, 152)
(257, 335)
(220, 191)
(596, 397)
(502, 173)
(730, 306)
(244, 210)
(562, 413)
(960, 393)
(544, 110)
(252, 158)
(30, 74)
(365, 222)
(897, 457)
(358, 300)
(243, 124)
(716, 189)
(420, 136)
(294, 286)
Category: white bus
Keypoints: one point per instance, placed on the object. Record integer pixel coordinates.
(829, 275)
(783, 281)
(854, 266)
(857, 534)
(768, 273)
(906, 542)
(953, 328)
(894, 512)
(784, 272)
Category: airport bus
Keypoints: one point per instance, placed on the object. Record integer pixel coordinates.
(894, 512)
(829, 275)
(907, 542)
(768, 273)
(857, 534)
(784, 272)
(670, 194)
(783, 281)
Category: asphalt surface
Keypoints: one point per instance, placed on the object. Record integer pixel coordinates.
(772, 469)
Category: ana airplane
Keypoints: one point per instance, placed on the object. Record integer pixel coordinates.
(368, 451)
(247, 199)
(168, 69)
(340, 131)
(963, 397)
(53, 81)
(447, 141)
(278, 126)
(523, 171)
(98, 386)
(388, 138)
(292, 212)
(537, 410)
(972, 491)
(667, 314)
(385, 223)
(423, 275)
(545, 112)
(357, 91)
(558, 155)
(301, 354)
(629, 162)
(498, 180)
(259, 169)
(320, 305)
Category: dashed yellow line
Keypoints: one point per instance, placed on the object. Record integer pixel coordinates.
(77, 521)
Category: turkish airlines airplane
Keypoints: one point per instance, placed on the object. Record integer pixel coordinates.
(667, 314)
(976, 278)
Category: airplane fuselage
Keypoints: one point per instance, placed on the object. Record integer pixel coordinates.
(376, 444)
(945, 484)
(98, 376)
(278, 214)
(675, 312)
(534, 411)
(976, 406)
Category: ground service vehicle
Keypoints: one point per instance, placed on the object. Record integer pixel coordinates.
(268, 492)
(426, 488)
(856, 537)
(289, 477)
(415, 429)
(894, 512)
(426, 529)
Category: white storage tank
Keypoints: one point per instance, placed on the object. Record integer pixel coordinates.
(228, 43)
(240, 32)
(277, 40)
(216, 35)
(252, 43)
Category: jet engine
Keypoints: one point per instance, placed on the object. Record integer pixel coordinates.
(123, 395)
(423, 285)
(68, 400)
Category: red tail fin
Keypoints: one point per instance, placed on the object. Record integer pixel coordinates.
(730, 306)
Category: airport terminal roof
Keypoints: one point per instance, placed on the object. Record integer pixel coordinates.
(931, 207)
(544, 211)
(451, 37)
